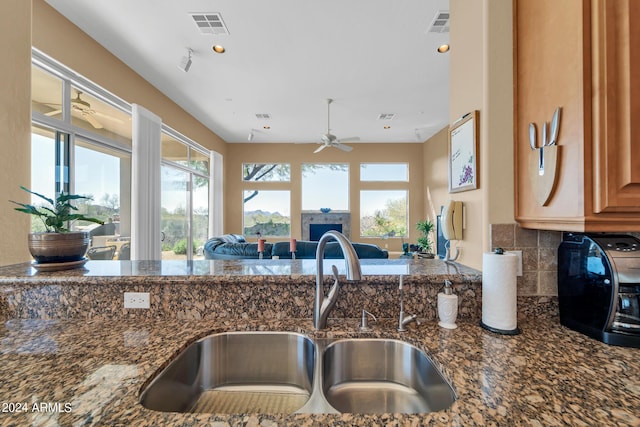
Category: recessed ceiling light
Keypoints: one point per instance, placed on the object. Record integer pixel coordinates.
(387, 127)
(443, 48)
(218, 48)
(266, 127)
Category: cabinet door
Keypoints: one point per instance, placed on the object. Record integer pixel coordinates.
(552, 69)
(616, 105)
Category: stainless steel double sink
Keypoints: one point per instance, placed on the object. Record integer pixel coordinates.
(286, 372)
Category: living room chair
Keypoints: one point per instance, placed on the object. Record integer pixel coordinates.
(101, 252)
(125, 252)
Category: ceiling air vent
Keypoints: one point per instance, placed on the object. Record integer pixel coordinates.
(386, 116)
(263, 116)
(440, 23)
(209, 23)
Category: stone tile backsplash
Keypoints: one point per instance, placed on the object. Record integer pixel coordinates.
(539, 256)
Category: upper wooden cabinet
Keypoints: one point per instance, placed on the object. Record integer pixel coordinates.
(582, 56)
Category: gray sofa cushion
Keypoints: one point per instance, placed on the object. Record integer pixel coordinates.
(233, 246)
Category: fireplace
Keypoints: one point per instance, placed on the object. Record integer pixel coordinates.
(317, 230)
(323, 222)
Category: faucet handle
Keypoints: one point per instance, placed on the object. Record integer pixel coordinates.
(364, 327)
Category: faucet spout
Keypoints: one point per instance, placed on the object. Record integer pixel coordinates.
(322, 305)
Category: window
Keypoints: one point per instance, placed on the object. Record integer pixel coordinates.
(102, 174)
(267, 213)
(383, 213)
(266, 172)
(43, 168)
(81, 143)
(384, 172)
(325, 186)
(185, 197)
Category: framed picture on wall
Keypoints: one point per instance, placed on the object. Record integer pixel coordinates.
(463, 153)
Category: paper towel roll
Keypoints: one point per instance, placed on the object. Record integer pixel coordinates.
(499, 292)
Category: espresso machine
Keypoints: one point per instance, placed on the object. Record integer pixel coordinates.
(599, 286)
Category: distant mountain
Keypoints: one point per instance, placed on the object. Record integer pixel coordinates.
(252, 218)
(267, 223)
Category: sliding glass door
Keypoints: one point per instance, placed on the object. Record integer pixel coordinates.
(185, 198)
(104, 174)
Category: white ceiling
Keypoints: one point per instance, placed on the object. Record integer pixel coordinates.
(285, 58)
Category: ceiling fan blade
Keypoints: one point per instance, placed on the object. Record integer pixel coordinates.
(53, 113)
(343, 147)
(92, 120)
(350, 139)
(319, 149)
(106, 116)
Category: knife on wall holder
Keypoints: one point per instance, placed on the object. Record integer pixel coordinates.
(544, 160)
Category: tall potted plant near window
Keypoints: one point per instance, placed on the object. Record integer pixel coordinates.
(424, 242)
(57, 244)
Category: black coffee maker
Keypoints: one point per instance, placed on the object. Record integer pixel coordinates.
(599, 286)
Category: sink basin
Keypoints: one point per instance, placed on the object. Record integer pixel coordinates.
(286, 372)
(236, 372)
(382, 376)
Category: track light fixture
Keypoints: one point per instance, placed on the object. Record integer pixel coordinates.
(186, 62)
(250, 137)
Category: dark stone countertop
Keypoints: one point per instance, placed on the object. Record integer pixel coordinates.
(223, 269)
(548, 375)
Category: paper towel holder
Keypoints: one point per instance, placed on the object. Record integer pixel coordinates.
(517, 330)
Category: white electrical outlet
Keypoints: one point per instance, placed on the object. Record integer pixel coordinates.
(519, 254)
(136, 300)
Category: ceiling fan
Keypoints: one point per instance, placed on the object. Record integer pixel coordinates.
(83, 108)
(330, 140)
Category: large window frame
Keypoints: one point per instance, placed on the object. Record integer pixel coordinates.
(330, 197)
(267, 178)
(384, 226)
(188, 166)
(68, 133)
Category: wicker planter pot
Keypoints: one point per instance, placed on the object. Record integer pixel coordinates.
(59, 247)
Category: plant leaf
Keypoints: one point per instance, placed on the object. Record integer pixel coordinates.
(37, 194)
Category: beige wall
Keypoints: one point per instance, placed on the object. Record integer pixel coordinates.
(436, 183)
(15, 125)
(481, 79)
(296, 154)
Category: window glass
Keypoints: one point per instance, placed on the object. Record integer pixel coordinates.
(383, 213)
(200, 227)
(384, 172)
(95, 115)
(325, 186)
(199, 161)
(185, 198)
(43, 169)
(46, 93)
(104, 175)
(174, 150)
(267, 213)
(174, 213)
(266, 172)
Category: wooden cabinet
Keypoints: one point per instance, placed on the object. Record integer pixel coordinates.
(582, 56)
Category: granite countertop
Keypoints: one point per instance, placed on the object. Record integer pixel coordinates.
(213, 270)
(89, 372)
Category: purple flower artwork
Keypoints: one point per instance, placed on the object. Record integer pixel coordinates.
(463, 142)
(466, 176)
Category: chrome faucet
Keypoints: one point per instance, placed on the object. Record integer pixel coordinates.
(404, 320)
(322, 306)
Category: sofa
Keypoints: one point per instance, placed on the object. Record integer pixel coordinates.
(235, 246)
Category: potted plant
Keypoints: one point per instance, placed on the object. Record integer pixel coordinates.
(424, 242)
(57, 244)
